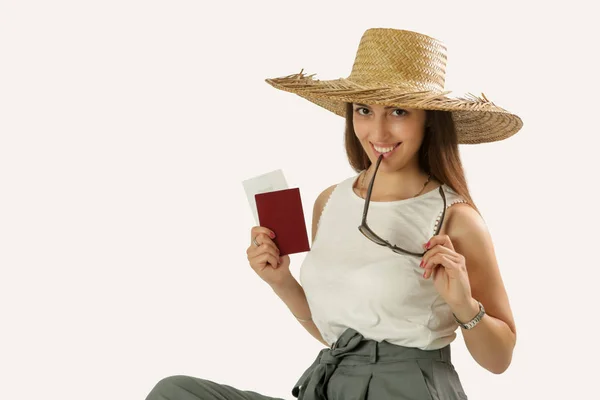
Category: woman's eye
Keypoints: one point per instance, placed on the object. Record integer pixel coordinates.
(402, 112)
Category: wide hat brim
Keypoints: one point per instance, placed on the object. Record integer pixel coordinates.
(477, 120)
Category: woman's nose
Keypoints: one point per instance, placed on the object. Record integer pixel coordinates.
(380, 131)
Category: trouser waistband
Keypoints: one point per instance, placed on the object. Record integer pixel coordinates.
(352, 348)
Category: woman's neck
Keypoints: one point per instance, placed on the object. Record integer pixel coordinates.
(401, 184)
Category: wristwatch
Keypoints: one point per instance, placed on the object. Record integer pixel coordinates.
(471, 324)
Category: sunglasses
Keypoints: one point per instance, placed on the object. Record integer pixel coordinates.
(372, 236)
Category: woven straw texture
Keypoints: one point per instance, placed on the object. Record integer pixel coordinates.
(404, 69)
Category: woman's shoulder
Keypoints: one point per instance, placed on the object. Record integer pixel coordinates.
(326, 193)
(320, 203)
(452, 195)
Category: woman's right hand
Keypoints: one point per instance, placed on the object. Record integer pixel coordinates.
(264, 259)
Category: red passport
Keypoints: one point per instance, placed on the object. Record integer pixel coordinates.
(281, 211)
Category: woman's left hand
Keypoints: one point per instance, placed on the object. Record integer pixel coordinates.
(449, 271)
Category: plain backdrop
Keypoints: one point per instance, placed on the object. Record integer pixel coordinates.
(127, 127)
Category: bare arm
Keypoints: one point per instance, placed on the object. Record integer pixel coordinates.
(492, 341)
(291, 292)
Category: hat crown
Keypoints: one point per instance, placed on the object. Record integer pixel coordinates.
(399, 58)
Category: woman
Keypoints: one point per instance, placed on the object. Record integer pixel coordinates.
(387, 298)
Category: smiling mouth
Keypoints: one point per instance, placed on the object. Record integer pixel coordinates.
(387, 148)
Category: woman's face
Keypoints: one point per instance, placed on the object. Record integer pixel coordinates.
(379, 128)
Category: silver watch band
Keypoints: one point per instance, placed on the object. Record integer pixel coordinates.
(471, 324)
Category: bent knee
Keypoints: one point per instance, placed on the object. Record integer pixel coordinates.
(169, 387)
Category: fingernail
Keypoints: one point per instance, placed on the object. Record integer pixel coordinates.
(272, 235)
(421, 265)
(427, 245)
(280, 260)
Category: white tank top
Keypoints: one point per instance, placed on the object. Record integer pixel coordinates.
(351, 282)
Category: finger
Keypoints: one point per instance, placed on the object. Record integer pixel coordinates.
(263, 242)
(258, 263)
(429, 271)
(430, 264)
(439, 260)
(269, 260)
(256, 230)
(264, 248)
(266, 245)
(272, 260)
(442, 240)
(432, 252)
(261, 238)
(260, 260)
(430, 268)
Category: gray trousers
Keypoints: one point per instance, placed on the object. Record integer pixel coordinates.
(354, 368)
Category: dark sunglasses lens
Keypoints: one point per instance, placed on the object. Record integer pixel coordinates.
(371, 236)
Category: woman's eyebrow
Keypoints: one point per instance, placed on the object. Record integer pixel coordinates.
(364, 105)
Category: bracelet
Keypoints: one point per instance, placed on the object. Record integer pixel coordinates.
(472, 323)
(303, 320)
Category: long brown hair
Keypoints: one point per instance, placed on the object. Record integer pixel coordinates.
(438, 154)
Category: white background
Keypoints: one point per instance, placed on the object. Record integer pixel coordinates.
(127, 127)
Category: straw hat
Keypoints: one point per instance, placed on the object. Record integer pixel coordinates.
(405, 69)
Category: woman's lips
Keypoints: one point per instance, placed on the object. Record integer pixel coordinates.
(385, 155)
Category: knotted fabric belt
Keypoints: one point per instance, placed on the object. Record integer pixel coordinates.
(352, 348)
